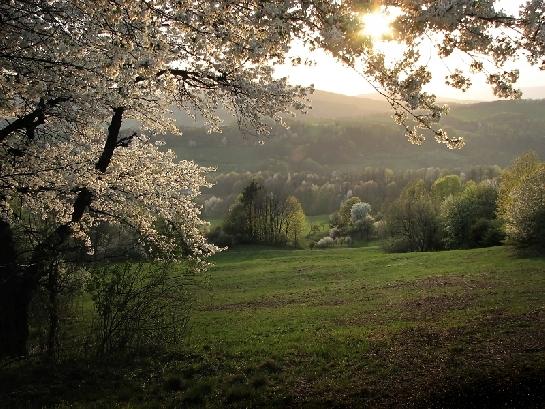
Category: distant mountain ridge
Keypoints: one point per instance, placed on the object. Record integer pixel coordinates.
(325, 105)
(343, 133)
(330, 106)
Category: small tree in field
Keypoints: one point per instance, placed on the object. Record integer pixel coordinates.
(469, 219)
(345, 211)
(295, 220)
(413, 221)
(361, 220)
(266, 217)
(522, 202)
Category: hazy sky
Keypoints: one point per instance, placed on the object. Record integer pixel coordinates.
(328, 75)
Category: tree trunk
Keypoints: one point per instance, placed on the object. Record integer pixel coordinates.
(15, 295)
(53, 294)
(15, 298)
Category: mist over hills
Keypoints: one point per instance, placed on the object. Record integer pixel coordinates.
(328, 105)
(343, 133)
(325, 105)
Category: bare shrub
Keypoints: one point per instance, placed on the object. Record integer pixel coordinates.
(139, 306)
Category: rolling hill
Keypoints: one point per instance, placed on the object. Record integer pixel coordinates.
(352, 132)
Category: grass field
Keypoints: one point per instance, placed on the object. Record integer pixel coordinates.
(351, 328)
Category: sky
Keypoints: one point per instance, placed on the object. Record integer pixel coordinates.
(329, 75)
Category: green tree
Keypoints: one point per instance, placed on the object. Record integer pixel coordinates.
(361, 220)
(445, 186)
(344, 215)
(295, 220)
(522, 202)
(412, 220)
(469, 219)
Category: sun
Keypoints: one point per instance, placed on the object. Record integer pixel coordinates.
(377, 25)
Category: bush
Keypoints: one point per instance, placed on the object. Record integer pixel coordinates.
(380, 229)
(335, 233)
(398, 245)
(522, 202)
(486, 233)
(467, 218)
(138, 307)
(413, 222)
(220, 238)
(325, 243)
(345, 241)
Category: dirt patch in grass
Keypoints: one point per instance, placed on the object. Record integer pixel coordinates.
(433, 306)
(445, 281)
(480, 364)
(332, 302)
(495, 360)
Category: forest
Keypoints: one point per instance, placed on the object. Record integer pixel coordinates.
(425, 210)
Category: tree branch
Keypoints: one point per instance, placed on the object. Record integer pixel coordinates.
(32, 120)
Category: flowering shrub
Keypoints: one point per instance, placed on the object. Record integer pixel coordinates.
(325, 242)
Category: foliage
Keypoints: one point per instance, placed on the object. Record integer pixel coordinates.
(55, 312)
(262, 216)
(364, 228)
(352, 219)
(325, 242)
(296, 220)
(359, 211)
(323, 192)
(446, 186)
(362, 223)
(522, 202)
(469, 219)
(139, 307)
(220, 237)
(345, 210)
(413, 221)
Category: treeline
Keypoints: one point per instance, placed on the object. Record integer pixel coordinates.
(322, 193)
(450, 215)
(448, 212)
(262, 216)
(455, 214)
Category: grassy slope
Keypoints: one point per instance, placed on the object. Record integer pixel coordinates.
(357, 327)
(341, 328)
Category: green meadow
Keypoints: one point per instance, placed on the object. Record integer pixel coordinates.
(358, 327)
(350, 327)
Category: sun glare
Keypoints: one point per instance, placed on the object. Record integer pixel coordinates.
(377, 25)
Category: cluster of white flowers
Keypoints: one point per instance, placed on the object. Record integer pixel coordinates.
(66, 67)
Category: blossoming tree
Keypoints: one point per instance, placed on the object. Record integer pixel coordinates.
(71, 71)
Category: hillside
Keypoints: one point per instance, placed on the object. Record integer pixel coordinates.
(341, 328)
(351, 132)
(325, 105)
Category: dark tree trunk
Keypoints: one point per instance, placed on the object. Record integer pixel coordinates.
(15, 295)
(53, 293)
